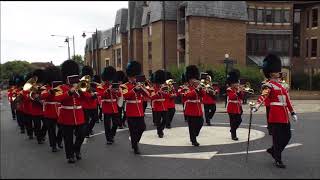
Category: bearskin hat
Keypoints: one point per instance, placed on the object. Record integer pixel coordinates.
(87, 70)
(120, 76)
(271, 64)
(18, 80)
(96, 78)
(108, 73)
(12, 81)
(68, 68)
(53, 74)
(168, 75)
(192, 72)
(41, 75)
(133, 68)
(210, 73)
(233, 77)
(183, 78)
(159, 76)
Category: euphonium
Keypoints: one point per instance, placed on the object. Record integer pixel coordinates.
(84, 84)
(170, 83)
(32, 86)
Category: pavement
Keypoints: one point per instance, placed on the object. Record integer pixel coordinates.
(170, 157)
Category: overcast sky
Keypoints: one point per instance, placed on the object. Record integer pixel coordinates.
(26, 27)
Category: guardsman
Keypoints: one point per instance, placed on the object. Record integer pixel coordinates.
(234, 102)
(121, 78)
(280, 107)
(33, 106)
(133, 95)
(19, 81)
(170, 101)
(181, 90)
(193, 104)
(267, 105)
(110, 94)
(209, 99)
(158, 103)
(71, 115)
(90, 103)
(51, 106)
(12, 94)
(97, 79)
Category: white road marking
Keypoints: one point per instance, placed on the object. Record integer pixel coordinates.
(256, 151)
(199, 155)
(209, 135)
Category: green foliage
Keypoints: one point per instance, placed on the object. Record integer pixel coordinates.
(253, 75)
(177, 72)
(78, 58)
(11, 68)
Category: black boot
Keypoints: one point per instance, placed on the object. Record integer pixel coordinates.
(60, 145)
(136, 150)
(22, 131)
(78, 156)
(280, 164)
(195, 143)
(71, 160)
(54, 149)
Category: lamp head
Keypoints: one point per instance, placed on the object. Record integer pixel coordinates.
(226, 56)
(83, 34)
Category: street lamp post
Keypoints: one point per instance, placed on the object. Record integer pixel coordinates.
(97, 44)
(227, 62)
(67, 41)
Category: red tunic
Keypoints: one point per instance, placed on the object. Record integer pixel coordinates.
(89, 102)
(71, 111)
(109, 99)
(134, 101)
(234, 101)
(50, 105)
(192, 105)
(27, 103)
(158, 100)
(280, 103)
(208, 99)
(11, 92)
(170, 101)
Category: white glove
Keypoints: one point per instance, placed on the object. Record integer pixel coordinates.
(294, 117)
(254, 109)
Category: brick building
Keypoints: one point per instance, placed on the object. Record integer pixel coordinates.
(161, 34)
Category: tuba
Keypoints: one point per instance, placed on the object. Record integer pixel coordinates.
(32, 86)
(84, 84)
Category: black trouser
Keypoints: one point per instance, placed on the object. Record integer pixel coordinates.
(209, 110)
(145, 104)
(44, 128)
(268, 124)
(100, 112)
(54, 137)
(67, 133)
(195, 124)
(91, 117)
(110, 132)
(281, 135)
(184, 115)
(171, 112)
(13, 110)
(160, 118)
(136, 127)
(20, 117)
(122, 115)
(235, 121)
(33, 125)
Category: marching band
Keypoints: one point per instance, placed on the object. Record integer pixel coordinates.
(66, 105)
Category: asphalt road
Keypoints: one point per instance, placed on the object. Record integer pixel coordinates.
(24, 158)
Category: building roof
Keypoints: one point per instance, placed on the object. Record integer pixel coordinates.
(155, 8)
(121, 19)
(88, 46)
(105, 35)
(236, 10)
(135, 12)
(41, 65)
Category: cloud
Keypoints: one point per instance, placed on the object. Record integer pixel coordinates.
(26, 27)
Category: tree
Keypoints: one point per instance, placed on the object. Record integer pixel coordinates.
(12, 68)
(78, 58)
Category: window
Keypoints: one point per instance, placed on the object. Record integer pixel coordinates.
(118, 37)
(277, 16)
(307, 47)
(308, 19)
(296, 16)
(278, 45)
(105, 43)
(269, 44)
(285, 45)
(149, 51)
(148, 18)
(119, 57)
(261, 44)
(251, 13)
(286, 16)
(315, 17)
(107, 62)
(268, 15)
(314, 47)
(260, 15)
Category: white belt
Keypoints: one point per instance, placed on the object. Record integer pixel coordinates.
(133, 101)
(71, 107)
(158, 100)
(51, 103)
(233, 101)
(192, 101)
(278, 104)
(108, 100)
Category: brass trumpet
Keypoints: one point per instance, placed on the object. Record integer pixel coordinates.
(246, 88)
